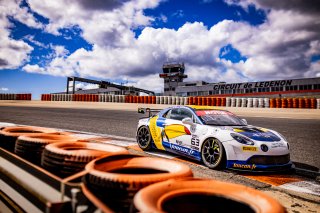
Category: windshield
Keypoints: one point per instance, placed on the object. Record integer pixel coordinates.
(219, 118)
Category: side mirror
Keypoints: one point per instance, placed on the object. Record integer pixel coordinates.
(244, 121)
(187, 121)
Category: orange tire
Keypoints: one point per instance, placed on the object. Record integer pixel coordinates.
(284, 103)
(223, 101)
(307, 103)
(218, 101)
(115, 179)
(190, 100)
(67, 158)
(213, 101)
(30, 147)
(204, 101)
(301, 103)
(198, 101)
(209, 101)
(154, 100)
(9, 135)
(196, 195)
(290, 102)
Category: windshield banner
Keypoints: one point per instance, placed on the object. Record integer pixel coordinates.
(212, 112)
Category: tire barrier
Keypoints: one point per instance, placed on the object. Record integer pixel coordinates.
(30, 147)
(255, 102)
(284, 103)
(201, 195)
(67, 158)
(9, 135)
(116, 179)
(266, 102)
(17, 97)
(311, 103)
(318, 103)
(250, 103)
(238, 102)
(243, 102)
(261, 103)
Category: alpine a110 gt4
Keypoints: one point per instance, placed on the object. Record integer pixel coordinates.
(216, 137)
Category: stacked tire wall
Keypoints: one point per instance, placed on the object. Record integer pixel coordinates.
(11, 96)
(302, 103)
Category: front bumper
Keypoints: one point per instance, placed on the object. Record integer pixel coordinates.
(263, 163)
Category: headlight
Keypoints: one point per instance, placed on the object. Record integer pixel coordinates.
(242, 139)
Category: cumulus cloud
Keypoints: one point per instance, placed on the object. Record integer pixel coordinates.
(13, 53)
(4, 89)
(85, 86)
(281, 47)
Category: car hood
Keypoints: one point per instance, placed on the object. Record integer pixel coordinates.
(256, 133)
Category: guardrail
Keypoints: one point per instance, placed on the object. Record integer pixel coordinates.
(302, 103)
(12, 96)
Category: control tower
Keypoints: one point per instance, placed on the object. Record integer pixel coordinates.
(173, 73)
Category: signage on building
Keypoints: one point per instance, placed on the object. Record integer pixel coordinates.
(263, 84)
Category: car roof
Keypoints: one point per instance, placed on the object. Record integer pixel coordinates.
(197, 107)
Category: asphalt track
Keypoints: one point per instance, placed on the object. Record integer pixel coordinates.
(303, 134)
(295, 192)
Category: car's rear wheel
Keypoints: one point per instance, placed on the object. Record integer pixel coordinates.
(144, 138)
(213, 154)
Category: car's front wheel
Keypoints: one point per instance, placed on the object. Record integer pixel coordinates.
(213, 154)
(144, 138)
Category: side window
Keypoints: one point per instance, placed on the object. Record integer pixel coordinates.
(179, 114)
(167, 114)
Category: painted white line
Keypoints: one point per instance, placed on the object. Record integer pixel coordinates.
(119, 143)
(310, 187)
(89, 134)
(162, 154)
(4, 124)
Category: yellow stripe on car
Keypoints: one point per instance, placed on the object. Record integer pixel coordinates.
(174, 130)
(156, 133)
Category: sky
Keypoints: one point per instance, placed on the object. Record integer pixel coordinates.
(127, 41)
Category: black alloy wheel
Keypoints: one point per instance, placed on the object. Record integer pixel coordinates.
(213, 154)
(144, 138)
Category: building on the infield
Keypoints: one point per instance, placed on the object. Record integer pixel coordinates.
(173, 75)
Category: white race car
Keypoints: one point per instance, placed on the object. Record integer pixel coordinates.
(216, 137)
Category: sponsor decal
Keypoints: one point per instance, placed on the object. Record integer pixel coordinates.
(212, 112)
(249, 149)
(244, 166)
(178, 142)
(181, 149)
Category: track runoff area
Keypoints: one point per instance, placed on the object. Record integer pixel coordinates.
(296, 192)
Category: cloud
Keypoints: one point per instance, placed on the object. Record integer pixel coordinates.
(86, 86)
(279, 48)
(13, 53)
(3, 89)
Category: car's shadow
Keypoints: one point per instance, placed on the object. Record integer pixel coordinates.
(299, 168)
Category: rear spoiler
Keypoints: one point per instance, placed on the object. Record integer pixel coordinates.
(148, 110)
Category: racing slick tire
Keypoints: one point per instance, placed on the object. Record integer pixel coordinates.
(9, 135)
(30, 147)
(116, 179)
(67, 158)
(144, 138)
(201, 195)
(213, 154)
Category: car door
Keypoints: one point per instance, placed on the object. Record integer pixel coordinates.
(176, 133)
